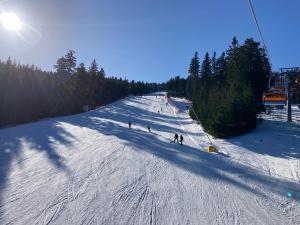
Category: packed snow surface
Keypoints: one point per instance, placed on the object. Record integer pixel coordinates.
(92, 169)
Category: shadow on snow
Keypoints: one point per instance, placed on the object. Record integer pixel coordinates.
(40, 137)
(206, 165)
(281, 139)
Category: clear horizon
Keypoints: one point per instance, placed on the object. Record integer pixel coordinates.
(139, 40)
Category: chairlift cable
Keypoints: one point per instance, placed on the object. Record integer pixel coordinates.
(258, 28)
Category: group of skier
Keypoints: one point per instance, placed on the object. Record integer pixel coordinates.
(176, 137)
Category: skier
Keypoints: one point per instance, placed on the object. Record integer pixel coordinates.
(181, 139)
(160, 108)
(175, 138)
(149, 129)
(158, 111)
(129, 124)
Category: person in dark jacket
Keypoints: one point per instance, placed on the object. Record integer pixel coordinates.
(149, 129)
(181, 139)
(129, 124)
(175, 138)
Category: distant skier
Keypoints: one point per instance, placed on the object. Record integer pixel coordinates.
(175, 138)
(181, 139)
(158, 111)
(129, 124)
(149, 129)
(160, 108)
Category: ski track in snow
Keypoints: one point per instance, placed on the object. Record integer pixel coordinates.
(91, 168)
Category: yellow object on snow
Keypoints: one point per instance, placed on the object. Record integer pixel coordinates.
(212, 149)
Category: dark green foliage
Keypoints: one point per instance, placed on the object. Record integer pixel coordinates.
(206, 70)
(229, 90)
(102, 73)
(66, 65)
(28, 94)
(190, 87)
(252, 66)
(176, 87)
(94, 68)
(194, 66)
(234, 46)
(228, 113)
(193, 77)
(220, 68)
(214, 64)
(227, 100)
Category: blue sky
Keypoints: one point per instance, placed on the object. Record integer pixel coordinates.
(147, 40)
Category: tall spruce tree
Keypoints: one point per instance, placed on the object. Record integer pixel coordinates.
(71, 62)
(213, 62)
(102, 73)
(81, 70)
(206, 70)
(194, 66)
(85, 86)
(93, 70)
(66, 65)
(258, 68)
(193, 77)
(234, 46)
(61, 66)
(220, 65)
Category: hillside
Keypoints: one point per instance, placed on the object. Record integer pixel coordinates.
(91, 168)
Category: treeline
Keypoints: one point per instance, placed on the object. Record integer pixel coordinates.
(176, 87)
(226, 91)
(28, 93)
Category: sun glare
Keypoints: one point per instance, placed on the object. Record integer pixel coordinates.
(10, 21)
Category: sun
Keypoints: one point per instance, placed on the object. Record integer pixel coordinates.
(11, 21)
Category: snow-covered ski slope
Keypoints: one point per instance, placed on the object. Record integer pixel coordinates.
(92, 169)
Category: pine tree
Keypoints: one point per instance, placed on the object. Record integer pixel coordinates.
(66, 65)
(61, 66)
(70, 62)
(220, 65)
(194, 66)
(214, 64)
(206, 67)
(81, 70)
(93, 68)
(193, 77)
(102, 73)
(257, 68)
(234, 46)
